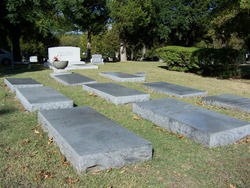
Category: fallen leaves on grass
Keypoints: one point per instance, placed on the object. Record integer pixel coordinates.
(135, 117)
(71, 180)
(42, 175)
(92, 94)
(25, 141)
(232, 186)
(64, 161)
(181, 136)
(50, 141)
(244, 140)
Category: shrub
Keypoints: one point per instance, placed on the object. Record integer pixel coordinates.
(222, 63)
(178, 58)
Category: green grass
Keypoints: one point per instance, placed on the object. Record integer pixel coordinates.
(29, 159)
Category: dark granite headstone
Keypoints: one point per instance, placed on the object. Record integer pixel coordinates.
(72, 79)
(13, 83)
(91, 141)
(123, 77)
(42, 98)
(204, 126)
(229, 101)
(116, 93)
(175, 90)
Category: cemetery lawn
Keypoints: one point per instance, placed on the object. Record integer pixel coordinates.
(29, 158)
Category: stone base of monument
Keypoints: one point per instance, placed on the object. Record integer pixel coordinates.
(14, 83)
(123, 77)
(204, 126)
(174, 90)
(42, 98)
(72, 79)
(90, 141)
(229, 101)
(115, 93)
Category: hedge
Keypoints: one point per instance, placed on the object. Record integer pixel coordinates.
(222, 63)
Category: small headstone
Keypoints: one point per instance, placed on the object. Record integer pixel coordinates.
(123, 77)
(33, 59)
(14, 83)
(115, 93)
(42, 98)
(72, 79)
(96, 59)
(91, 141)
(204, 126)
(229, 101)
(175, 90)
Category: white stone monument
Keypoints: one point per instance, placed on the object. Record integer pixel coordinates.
(65, 53)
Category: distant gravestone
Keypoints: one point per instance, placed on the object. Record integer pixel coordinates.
(33, 59)
(65, 53)
(123, 77)
(97, 59)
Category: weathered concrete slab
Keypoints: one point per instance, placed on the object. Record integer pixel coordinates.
(229, 101)
(72, 79)
(206, 127)
(13, 83)
(175, 90)
(123, 77)
(42, 98)
(115, 93)
(90, 141)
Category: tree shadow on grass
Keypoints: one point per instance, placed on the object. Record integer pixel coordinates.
(20, 68)
(245, 71)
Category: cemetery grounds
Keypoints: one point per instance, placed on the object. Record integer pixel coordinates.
(29, 158)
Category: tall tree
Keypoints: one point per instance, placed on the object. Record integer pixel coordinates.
(231, 18)
(89, 16)
(182, 22)
(19, 17)
(130, 17)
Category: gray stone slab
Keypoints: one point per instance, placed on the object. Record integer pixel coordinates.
(123, 77)
(91, 141)
(72, 79)
(13, 83)
(204, 126)
(115, 93)
(42, 98)
(228, 101)
(175, 90)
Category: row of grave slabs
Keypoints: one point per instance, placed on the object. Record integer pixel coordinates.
(83, 134)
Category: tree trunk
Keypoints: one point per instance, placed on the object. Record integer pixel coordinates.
(123, 51)
(89, 47)
(144, 49)
(15, 39)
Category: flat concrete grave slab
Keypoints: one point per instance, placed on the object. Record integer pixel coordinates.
(42, 98)
(72, 79)
(13, 83)
(115, 93)
(91, 141)
(123, 77)
(204, 126)
(175, 90)
(229, 101)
